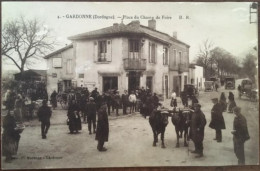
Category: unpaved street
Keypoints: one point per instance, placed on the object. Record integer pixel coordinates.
(130, 143)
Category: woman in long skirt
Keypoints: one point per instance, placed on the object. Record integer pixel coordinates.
(11, 137)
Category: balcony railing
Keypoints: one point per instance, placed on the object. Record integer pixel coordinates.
(134, 64)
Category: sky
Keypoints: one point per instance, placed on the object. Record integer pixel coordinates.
(226, 24)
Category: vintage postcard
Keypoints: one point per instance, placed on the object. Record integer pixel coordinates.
(129, 84)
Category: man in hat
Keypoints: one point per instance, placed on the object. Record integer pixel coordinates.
(240, 135)
(91, 110)
(44, 114)
(198, 122)
(217, 119)
(102, 128)
(117, 101)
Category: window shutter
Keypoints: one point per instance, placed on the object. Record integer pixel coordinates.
(95, 53)
(109, 50)
(155, 55)
(150, 52)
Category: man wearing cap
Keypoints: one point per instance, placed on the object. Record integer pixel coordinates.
(198, 122)
(240, 135)
(91, 114)
(217, 119)
(44, 114)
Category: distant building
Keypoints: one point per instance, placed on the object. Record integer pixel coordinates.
(196, 76)
(124, 57)
(31, 75)
(61, 69)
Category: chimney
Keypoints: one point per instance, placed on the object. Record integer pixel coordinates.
(152, 24)
(115, 24)
(174, 34)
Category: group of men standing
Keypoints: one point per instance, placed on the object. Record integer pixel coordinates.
(240, 130)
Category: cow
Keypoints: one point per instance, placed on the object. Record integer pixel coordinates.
(158, 121)
(181, 120)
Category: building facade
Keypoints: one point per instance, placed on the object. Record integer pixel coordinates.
(61, 69)
(196, 76)
(126, 57)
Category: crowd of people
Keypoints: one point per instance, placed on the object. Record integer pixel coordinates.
(89, 105)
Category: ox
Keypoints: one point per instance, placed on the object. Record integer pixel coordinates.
(181, 120)
(158, 121)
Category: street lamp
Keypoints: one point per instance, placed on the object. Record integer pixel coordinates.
(253, 10)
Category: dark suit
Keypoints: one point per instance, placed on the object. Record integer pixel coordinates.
(44, 114)
(217, 121)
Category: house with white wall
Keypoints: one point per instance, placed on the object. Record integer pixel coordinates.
(196, 76)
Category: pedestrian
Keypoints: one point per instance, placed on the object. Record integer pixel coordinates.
(102, 128)
(11, 137)
(173, 100)
(232, 102)
(117, 101)
(155, 101)
(223, 102)
(91, 110)
(217, 119)
(74, 121)
(19, 105)
(108, 100)
(54, 99)
(125, 102)
(240, 135)
(194, 100)
(184, 98)
(132, 100)
(198, 122)
(216, 86)
(94, 94)
(44, 114)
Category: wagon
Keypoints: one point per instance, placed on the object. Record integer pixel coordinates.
(209, 85)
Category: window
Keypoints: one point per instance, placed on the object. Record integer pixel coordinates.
(81, 75)
(69, 66)
(165, 56)
(134, 46)
(102, 50)
(180, 56)
(152, 52)
(110, 83)
(134, 49)
(174, 57)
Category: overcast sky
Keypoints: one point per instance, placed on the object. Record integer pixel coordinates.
(226, 24)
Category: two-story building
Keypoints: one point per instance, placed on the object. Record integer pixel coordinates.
(126, 57)
(61, 69)
(196, 76)
(123, 57)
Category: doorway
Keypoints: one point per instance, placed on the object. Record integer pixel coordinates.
(133, 81)
(110, 83)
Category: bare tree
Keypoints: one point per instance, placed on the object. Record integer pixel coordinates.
(204, 56)
(23, 41)
(249, 66)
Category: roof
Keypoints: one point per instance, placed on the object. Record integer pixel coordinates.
(58, 51)
(34, 72)
(133, 27)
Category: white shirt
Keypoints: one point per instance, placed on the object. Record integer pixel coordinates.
(174, 95)
(132, 98)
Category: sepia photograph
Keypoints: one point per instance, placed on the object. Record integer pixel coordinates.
(129, 84)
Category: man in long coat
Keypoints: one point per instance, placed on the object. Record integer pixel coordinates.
(240, 135)
(102, 128)
(91, 110)
(198, 122)
(74, 120)
(44, 114)
(217, 119)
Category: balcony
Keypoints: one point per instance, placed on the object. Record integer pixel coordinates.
(134, 64)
